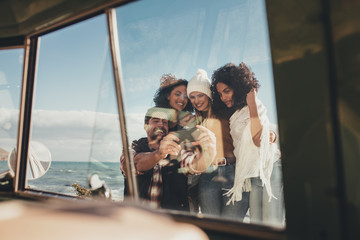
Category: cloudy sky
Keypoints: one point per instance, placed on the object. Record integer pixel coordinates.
(75, 111)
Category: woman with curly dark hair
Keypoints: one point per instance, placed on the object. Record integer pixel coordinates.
(172, 94)
(234, 90)
(225, 75)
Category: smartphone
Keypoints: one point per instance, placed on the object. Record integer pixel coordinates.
(190, 134)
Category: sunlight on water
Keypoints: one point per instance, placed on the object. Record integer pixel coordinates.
(62, 175)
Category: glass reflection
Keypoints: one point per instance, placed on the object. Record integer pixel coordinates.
(162, 44)
(75, 113)
(11, 63)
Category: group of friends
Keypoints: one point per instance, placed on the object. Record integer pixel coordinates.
(222, 160)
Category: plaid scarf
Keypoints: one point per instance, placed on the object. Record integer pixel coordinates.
(155, 187)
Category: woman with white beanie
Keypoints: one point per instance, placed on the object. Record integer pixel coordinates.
(220, 175)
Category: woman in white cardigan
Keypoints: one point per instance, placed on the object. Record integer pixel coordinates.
(258, 169)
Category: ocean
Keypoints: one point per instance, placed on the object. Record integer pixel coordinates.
(62, 175)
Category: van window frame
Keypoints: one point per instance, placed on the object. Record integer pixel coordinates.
(213, 226)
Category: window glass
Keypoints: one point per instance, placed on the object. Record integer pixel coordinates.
(75, 112)
(11, 63)
(177, 38)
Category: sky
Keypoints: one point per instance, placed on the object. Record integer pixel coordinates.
(75, 111)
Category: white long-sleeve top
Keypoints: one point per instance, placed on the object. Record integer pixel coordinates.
(251, 161)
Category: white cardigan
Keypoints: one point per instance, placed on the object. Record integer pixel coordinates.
(251, 161)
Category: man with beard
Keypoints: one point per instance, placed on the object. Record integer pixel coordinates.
(162, 165)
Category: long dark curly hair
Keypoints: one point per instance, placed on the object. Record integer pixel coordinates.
(241, 79)
(161, 96)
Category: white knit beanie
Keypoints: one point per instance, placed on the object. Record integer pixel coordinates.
(199, 83)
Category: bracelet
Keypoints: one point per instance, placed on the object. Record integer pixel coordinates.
(275, 137)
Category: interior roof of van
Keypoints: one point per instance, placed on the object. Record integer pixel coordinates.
(21, 17)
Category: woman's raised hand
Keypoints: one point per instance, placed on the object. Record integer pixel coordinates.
(251, 98)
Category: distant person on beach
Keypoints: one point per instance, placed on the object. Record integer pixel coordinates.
(162, 165)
